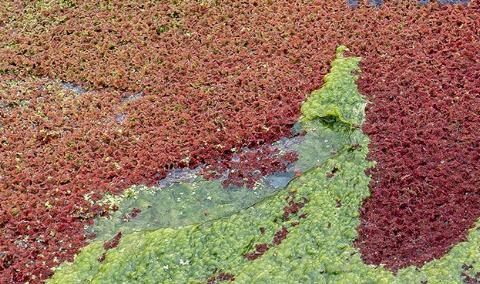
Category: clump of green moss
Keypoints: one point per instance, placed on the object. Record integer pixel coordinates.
(337, 102)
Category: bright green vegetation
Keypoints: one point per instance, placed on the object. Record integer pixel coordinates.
(335, 102)
(318, 250)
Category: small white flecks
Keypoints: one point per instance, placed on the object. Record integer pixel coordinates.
(184, 262)
(209, 197)
(165, 267)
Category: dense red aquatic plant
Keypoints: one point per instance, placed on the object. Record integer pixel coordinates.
(110, 244)
(475, 279)
(221, 276)
(175, 85)
(290, 210)
(131, 215)
(260, 249)
(246, 168)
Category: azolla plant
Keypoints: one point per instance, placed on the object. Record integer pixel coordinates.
(102, 102)
(302, 234)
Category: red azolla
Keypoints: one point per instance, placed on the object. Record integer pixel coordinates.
(475, 279)
(235, 82)
(110, 244)
(280, 236)
(132, 214)
(260, 249)
(221, 276)
(248, 167)
(293, 206)
(113, 243)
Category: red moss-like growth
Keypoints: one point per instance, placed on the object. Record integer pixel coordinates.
(215, 76)
(423, 125)
(248, 167)
(113, 243)
(134, 213)
(470, 279)
(293, 206)
(110, 244)
(221, 276)
(290, 210)
(260, 249)
(280, 236)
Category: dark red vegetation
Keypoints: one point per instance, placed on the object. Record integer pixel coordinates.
(280, 236)
(472, 280)
(260, 249)
(293, 206)
(113, 243)
(290, 210)
(131, 215)
(248, 167)
(221, 276)
(475, 279)
(176, 85)
(423, 125)
(110, 244)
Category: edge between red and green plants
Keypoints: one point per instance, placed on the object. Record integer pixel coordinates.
(303, 233)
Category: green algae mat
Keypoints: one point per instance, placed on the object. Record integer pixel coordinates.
(301, 233)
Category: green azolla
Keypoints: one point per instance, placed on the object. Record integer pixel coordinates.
(337, 99)
(177, 205)
(319, 250)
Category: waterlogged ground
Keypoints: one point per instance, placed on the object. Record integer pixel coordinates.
(188, 229)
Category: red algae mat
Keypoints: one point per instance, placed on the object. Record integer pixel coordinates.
(168, 85)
